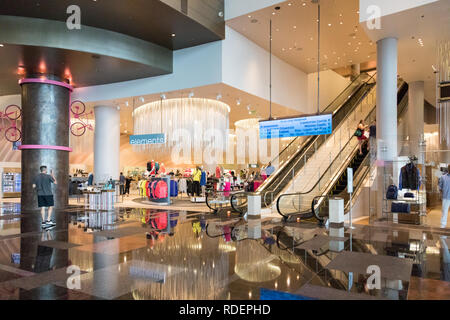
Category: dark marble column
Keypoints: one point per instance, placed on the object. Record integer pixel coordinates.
(45, 123)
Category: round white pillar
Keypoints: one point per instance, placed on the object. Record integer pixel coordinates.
(356, 71)
(416, 124)
(387, 99)
(106, 143)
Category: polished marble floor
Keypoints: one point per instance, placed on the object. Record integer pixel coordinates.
(145, 253)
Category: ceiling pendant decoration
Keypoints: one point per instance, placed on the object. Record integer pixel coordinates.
(194, 125)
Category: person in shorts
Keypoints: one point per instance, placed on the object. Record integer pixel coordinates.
(43, 185)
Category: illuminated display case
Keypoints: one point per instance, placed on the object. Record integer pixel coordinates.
(11, 182)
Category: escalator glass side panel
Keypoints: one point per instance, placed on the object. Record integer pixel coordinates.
(346, 99)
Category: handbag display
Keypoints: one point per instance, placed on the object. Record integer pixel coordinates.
(400, 207)
(409, 195)
(392, 192)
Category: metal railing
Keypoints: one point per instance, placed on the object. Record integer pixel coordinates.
(308, 207)
(296, 155)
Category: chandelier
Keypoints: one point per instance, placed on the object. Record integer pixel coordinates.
(192, 123)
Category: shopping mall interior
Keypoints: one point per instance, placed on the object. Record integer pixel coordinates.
(224, 150)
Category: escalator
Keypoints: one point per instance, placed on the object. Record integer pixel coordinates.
(296, 156)
(313, 204)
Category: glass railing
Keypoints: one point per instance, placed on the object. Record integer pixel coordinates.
(299, 151)
(317, 178)
(311, 203)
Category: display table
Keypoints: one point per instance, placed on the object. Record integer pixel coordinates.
(99, 200)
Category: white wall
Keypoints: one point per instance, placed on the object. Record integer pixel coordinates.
(331, 85)
(192, 67)
(237, 8)
(388, 7)
(245, 66)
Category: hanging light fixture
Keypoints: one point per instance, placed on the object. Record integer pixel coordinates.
(187, 121)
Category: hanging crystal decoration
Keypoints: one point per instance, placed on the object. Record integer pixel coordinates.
(194, 124)
(443, 107)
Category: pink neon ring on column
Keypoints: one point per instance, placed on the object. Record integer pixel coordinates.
(43, 147)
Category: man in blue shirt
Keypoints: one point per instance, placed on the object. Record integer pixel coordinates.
(444, 186)
(270, 169)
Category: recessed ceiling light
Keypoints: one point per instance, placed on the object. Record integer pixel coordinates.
(2, 45)
(304, 4)
(249, 16)
(341, 22)
(289, 4)
(173, 35)
(329, 24)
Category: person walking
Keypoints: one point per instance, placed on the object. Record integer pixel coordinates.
(444, 187)
(122, 183)
(42, 183)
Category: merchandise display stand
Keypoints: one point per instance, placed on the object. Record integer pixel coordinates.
(416, 204)
(96, 199)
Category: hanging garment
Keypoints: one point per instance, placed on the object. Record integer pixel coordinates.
(409, 177)
(173, 188)
(218, 172)
(161, 190)
(182, 186)
(203, 179)
(190, 187)
(197, 175)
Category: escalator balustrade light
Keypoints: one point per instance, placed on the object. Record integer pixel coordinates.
(298, 220)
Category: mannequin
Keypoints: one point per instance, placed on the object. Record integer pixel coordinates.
(162, 168)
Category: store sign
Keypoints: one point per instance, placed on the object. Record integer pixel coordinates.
(157, 138)
(296, 127)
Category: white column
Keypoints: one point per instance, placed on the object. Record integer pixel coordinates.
(356, 71)
(106, 143)
(415, 116)
(387, 99)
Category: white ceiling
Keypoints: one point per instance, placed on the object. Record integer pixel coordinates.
(431, 23)
(250, 106)
(295, 33)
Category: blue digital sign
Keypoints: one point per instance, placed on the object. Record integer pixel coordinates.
(296, 127)
(145, 139)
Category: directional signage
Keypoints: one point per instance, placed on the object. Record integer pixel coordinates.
(296, 127)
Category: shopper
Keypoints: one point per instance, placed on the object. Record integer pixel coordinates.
(373, 134)
(444, 187)
(122, 183)
(270, 170)
(91, 180)
(127, 185)
(196, 177)
(42, 183)
(361, 135)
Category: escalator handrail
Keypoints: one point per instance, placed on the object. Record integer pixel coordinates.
(310, 141)
(339, 172)
(348, 142)
(329, 105)
(359, 181)
(233, 196)
(346, 160)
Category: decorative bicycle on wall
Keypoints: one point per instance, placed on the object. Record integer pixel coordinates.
(11, 114)
(82, 121)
